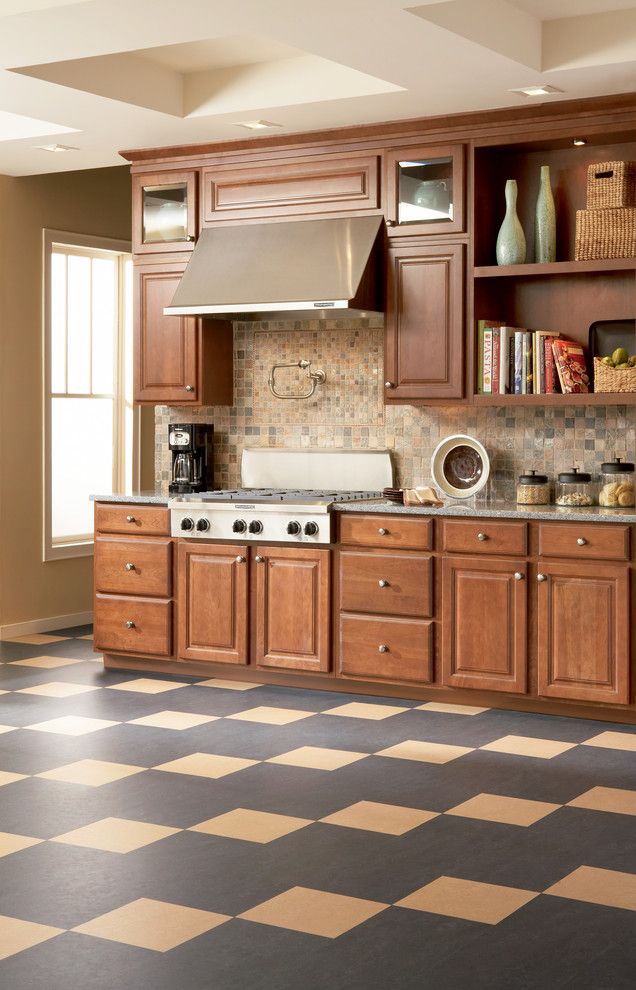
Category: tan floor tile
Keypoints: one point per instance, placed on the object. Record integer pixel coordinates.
(271, 716)
(206, 765)
(10, 843)
(72, 725)
(615, 799)
(485, 902)
(317, 758)
(594, 886)
(47, 663)
(92, 773)
(440, 706)
(16, 935)
(392, 819)
(37, 639)
(118, 835)
(9, 778)
(58, 689)
(315, 912)
(7, 728)
(174, 720)
(425, 752)
(358, 709)
(151, 924)
(148, 685)
(252, 826)
(613, 740)
(218, 682)
(543, 749)
(508, 810)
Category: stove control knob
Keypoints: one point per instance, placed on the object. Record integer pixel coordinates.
(294, 528)
(203, 525)
(239, 526)
(255, 526)
(187, 524)
(311, 528)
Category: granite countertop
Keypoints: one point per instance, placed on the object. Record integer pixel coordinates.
(134, 498)
(496, 510)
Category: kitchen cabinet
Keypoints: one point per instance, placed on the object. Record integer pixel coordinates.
(164, 211)
(213, 603)
(424, 326)
(424, 190)
(179, 360)
(385, 649)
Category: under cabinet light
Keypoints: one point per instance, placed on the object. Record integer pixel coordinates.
(579, 142)
(537, 90)
(55, 148)
(257, 125)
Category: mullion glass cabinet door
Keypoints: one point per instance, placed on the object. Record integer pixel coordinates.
(164, 211)
(425, 190)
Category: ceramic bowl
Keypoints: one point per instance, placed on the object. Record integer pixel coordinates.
(460, 466)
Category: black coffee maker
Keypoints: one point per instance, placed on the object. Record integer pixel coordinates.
(192, 468)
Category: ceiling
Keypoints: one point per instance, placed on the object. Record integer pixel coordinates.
(102, 75)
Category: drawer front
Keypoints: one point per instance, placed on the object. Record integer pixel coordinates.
(387, 649)
(133, 567)
(391, 531)
(150, 633)
(134, 520)
(594, 541)
(491, 536)
(388, 584)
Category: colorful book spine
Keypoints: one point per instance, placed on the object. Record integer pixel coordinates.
(527, 363)
(518, 372)
(487, 376)
(550, 379)
(496, 345)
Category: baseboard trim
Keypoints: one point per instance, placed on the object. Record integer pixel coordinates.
(45, 625)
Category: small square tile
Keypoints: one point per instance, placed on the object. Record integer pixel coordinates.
(358, 709)
(614, 799)
(218, 682)
(391, 819)
(148, 685)
(92, 773)
(317, 758)
(487, 903)
(271, 716)
(542, 749)
(443, 707)
(206, 765)
(314, 912)
(47, 663)
(118, 835)
(7, 728)
(16, 935)
(507, 810)
(251, 826)
(425, 752)
(151, 924)
(9, 778)
(58, 689)
(613, 740)
(37, 639)
(10, 843)
(174, 720)
(72, 725)
(595, 886)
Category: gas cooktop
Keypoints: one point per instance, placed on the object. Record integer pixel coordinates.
(288, 496)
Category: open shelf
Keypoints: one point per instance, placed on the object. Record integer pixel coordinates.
(556, 268)
(558, 399)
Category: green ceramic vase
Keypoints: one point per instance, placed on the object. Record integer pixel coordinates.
(511, 241)
(545, 220)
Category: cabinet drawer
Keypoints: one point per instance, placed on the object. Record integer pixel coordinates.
(134, 520)
(595, 541)
(489, 536)
(388, 584)
(151, 631)
(395, 531)
(407, 657)
(133, 567)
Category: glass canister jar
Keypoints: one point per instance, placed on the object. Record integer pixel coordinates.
(574, 489)
(617, 484)
(533, 489)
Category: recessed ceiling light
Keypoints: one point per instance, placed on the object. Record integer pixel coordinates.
(537, 90)
(55, 148)
(257, 125)
(579, 142)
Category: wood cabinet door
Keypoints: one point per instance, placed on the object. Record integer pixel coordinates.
(156, 193)
(413, 176)
(484, 618)
(292, 607)
(424, 338)
(584, 632)
(213, 612)
(166, 347)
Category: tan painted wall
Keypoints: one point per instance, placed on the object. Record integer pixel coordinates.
(90, 202)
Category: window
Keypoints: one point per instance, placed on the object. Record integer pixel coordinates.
(91, 426)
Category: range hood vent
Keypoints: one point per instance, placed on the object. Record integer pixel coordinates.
(292, 269)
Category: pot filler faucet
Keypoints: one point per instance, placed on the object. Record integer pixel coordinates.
(315, 377)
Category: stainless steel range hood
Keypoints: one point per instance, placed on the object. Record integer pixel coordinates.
(289, 269)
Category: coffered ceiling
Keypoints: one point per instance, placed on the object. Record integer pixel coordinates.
(100, 75)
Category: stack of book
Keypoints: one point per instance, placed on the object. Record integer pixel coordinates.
(516, 361)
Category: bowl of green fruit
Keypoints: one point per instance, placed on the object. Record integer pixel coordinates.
(616, 372)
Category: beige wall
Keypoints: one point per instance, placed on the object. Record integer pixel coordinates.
(90, 202)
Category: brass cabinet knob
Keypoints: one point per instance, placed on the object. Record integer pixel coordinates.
(389, 384)
(130, 519)
(582, 541)
(190, 237)
(130, 567)
(189, 388)
(382, 648)
(382, 531)
(391, 223)
(518, 576)
(541, 577)
(130, 624)
(240, 559)
(382, 583)
(481, 537)
(259, 559)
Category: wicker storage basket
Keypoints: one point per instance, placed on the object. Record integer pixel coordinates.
(608, 379)
(605, 234)
(611, 185)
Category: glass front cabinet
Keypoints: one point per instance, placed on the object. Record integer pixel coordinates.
(164, 211)
(425, 190)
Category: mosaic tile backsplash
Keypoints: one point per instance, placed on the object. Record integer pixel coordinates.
(348, 411)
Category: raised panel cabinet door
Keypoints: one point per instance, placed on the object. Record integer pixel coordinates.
(213, 609)
(166, 365)
(292, 607)
(484, 619)
(424, 339)
(584, 632)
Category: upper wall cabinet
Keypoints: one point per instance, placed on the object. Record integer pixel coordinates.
(164, 211)
(424, 190)
(319, 185)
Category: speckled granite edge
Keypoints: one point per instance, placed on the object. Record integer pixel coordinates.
(141, 498)
(496, 510)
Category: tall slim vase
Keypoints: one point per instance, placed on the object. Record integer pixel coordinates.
(511, 241)
(545, 220)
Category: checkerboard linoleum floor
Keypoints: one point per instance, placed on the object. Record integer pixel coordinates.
(182, 835)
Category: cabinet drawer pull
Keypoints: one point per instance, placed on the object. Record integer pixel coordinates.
(541, 577)
(130, 624)
(382, 583)
(383, 648)
(130, 567)
(582, 541)
(259, 559)
(382, 531)
(189, 388)
(130, 519)
(518, 576)
(481, 537)
(240, 559)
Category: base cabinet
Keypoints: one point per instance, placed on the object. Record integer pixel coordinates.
(213, 603)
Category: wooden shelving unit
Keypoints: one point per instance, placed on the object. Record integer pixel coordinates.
(558, 399)
(555, 268)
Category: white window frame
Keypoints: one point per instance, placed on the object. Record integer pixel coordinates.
(82, 244)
